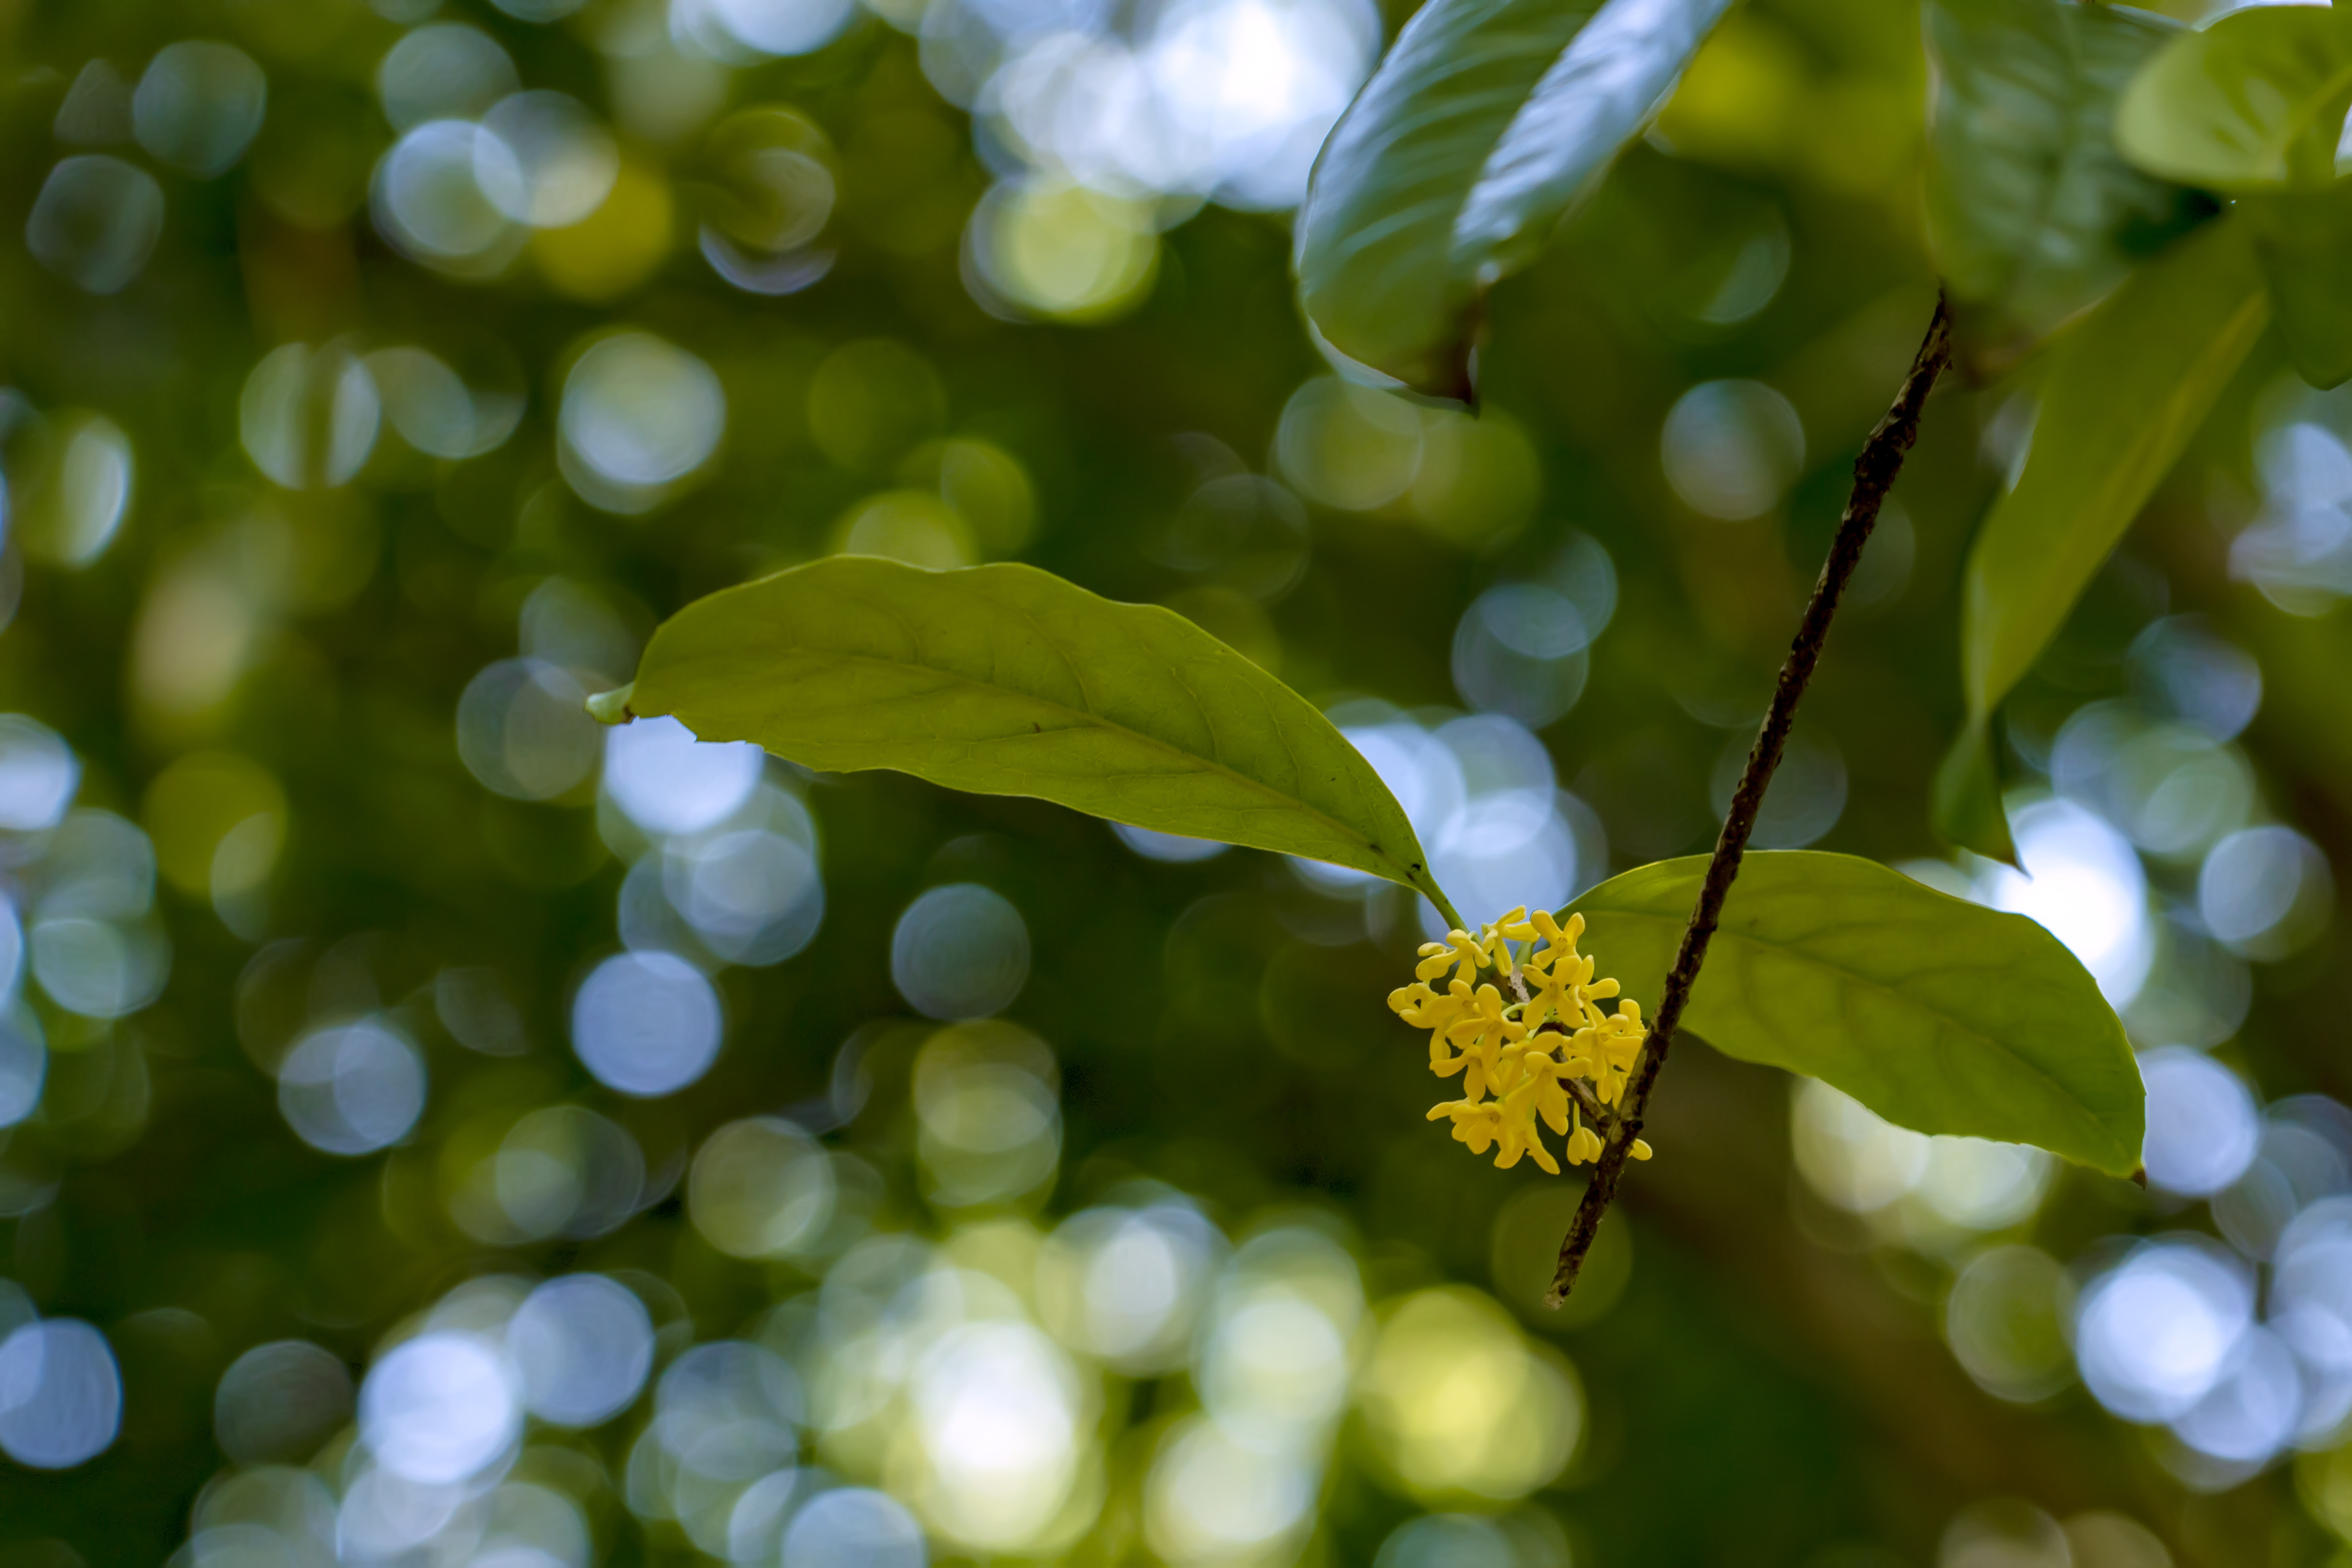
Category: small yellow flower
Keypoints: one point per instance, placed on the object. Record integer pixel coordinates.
(1515, 1059)
(1474, 1123)
(1481, 1033)
(1565, 988)
(1423, 1008)
(1610, 1043)
(1458, 947)
(1495, 941)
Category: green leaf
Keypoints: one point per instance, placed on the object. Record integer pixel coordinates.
(2305, 241)
(2256, 102)
(1966, 809)
(1937, 1013)
(1005, 680)
(2125, 391)
(1452, 166)
(2032, 214)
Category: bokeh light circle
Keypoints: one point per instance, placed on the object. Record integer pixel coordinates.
(442, 195)
(1127, 1287)
(1055, 249)
(639, 414)
(759, 1188)
(2156, 1333)
(98, 968)
(38, 774)
(279, 1402)
(645, 1024)
(668, 781)
(564, 164)
(353, 1089)
(1448, 1540)
(855, 1528)
(24, 1064)
(60, 1394)
(438, 1409)
(1519, 649)
(1168, 847)
(778, 26)
(959, 951)
(2265, 890)
(523, 730)
(308, 418)
(1209, 1498)
(199, 105)
(1732, 448)
(1459, 1403)
(2006, 1321)
(444, 71)
(2202, 1127)
(2083, 882)
(582, 1347)
(96, 221)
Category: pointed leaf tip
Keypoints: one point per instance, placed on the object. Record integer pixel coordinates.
(1966, 809)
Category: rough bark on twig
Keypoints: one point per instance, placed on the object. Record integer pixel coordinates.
(1874, 475)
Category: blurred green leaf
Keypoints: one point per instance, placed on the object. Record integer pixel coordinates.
(1451, 169)
(2303, 239)
(1937, 1013)
(1005, 680)
(2256, 102)
(2126, 391)
(1967, 810)
(2032, 213)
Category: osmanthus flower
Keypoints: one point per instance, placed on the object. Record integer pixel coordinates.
(1529, 1058)
(1437, 957)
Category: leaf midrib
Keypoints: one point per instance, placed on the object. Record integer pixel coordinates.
(1097, 721)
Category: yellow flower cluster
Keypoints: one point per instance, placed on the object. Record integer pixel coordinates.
(1525, 1052)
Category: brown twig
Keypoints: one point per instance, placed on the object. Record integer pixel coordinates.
(1874, 476)
(1589, 1103)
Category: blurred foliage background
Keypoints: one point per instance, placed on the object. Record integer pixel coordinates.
(433, 1129)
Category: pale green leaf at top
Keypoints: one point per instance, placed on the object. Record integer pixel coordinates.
(2125, 392)
(2032, 214)
(1005, 680)
(2256, 102)
(1457, 160)
(1940, 1015)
